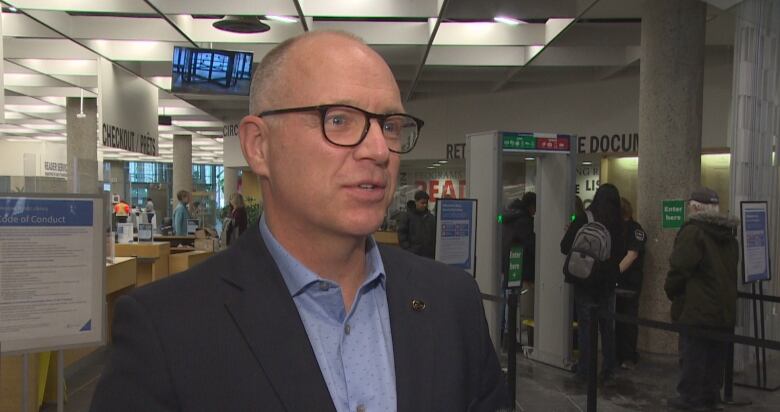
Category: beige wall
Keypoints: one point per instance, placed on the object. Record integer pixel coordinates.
(622, 172)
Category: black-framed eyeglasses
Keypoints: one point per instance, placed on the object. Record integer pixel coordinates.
(347, 126)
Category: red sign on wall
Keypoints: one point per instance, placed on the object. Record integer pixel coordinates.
(439, 188)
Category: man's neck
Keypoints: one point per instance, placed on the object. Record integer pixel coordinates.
(341, 259)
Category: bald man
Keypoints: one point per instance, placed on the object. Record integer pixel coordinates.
(306, 312)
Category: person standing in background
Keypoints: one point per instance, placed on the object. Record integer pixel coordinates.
(181, 214)
(629, 286)
(605, 209)
(121, 211)
(149, 210)
(238, 218)
(702, 285)
(417, 232)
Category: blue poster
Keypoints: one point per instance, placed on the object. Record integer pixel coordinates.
(456, 233)
(755, 244)
(44, 212)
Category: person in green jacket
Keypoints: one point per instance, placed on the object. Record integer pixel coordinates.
(702, 285)
(181, 214)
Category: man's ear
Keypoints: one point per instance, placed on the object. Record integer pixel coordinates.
(254, 133)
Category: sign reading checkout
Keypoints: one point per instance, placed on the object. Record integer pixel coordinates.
(129, 140)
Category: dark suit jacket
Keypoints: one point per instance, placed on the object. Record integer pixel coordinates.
(226, 336)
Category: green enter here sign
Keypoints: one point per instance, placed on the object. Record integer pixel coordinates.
(673, 213)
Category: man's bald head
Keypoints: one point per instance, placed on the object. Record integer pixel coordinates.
(269, 83)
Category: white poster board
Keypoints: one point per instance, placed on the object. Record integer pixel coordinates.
(755, 242)
(456, 233)
(124, 232)
(51, 272)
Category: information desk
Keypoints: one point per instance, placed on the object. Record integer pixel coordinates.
(183, 261)
(152, 257)
(386, 238)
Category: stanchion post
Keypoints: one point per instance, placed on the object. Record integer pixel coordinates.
(728, 379)
(593, 356)
(511, 370)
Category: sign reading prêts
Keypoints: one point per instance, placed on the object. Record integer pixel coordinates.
(125, 139)
(673, 213)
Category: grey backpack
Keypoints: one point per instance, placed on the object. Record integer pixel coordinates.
(592, 245)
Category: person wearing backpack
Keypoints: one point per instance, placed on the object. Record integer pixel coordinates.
(593, 274)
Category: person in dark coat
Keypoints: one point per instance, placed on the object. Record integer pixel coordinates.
(417, 231)
(518, 230)
(606, 210)
(702, 285)
(629, 286)
(238, 218)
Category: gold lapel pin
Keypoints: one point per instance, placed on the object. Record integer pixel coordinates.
(418, 305)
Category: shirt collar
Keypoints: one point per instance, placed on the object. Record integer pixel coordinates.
(298, 277)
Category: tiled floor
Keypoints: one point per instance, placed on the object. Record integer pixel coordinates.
(539, 388)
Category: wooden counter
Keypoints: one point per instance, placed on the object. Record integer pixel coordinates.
(11, 383)
(152, 257)
(386, 238)
(180, 262)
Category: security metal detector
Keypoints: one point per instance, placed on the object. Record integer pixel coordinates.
(554, 186)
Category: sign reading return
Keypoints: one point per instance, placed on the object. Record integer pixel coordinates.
(128, 110)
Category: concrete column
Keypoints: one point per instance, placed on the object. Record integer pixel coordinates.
(182, 165)
(82, 145)
(231, 182)
(670, 118)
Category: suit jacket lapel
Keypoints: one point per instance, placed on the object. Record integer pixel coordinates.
(262, 308)
(413, 337)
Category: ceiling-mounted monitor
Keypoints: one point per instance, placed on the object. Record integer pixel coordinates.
(211, 71)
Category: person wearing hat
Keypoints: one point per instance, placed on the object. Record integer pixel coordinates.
(702, 285)
(417, 232)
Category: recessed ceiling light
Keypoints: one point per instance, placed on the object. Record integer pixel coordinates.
(435, 165)
(587, 163)
(530, 158)
(442, 161)
(283, 19)
(431, 167)
(508, 20)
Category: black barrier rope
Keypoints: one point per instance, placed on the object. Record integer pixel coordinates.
(763, 298)
(689, 330)
(697, 331)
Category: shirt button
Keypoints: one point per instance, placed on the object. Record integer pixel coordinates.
(361, 408)
(347, 329)
(324, 286)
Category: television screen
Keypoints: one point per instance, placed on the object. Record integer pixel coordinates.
(209, 71)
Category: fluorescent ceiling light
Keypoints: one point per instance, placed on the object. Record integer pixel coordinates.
(14, 116)
(283, 19)
(52, 138)
(587, 163)
(430, 167)
(210, 132)
(43, 126)
(23, 140)
(219, 140)
(530, 158)
(508, 20)
(34, 108)
(197, 123)
(435, 165)
(442, 161)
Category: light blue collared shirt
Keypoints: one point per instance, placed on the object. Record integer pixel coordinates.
(355, 349)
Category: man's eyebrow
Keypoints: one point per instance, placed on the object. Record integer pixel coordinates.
(388, 109)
